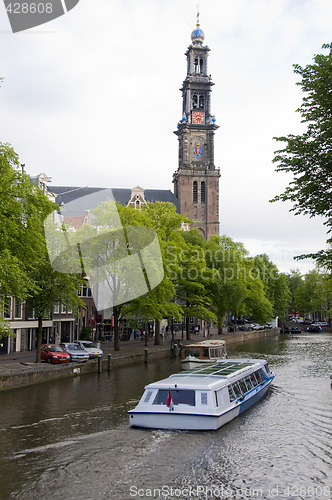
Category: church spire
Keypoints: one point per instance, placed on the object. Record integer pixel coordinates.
(196, 182)
(197, 36)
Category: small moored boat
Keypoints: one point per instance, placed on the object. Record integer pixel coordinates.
(205, 398)
(200, 353)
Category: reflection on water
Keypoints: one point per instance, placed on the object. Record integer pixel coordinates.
(72, 437)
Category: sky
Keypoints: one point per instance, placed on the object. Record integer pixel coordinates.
(92, 99)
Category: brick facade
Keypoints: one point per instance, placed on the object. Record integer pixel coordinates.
(196, 182)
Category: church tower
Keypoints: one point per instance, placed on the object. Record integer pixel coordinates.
(196, 182)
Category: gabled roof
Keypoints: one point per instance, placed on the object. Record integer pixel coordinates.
(95, 195)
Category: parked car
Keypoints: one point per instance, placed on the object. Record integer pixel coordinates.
(75, 353)
(92, 348)
(314, 328)
(53, 353)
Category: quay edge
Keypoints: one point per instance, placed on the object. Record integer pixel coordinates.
(32, 373)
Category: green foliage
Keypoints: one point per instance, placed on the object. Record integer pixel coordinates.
(86, 333)
(314, 295)
(309, 156)
(23, 207)
(275, 285)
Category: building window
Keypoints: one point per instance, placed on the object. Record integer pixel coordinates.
(195, 195)
(84, 291)
(18, 309)
(56, 308)
(31, 313)
(203, 191)
(63, 309)
(201, 102)
(198, 63)
(7, 307)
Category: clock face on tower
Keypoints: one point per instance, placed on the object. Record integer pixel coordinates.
(198, 117)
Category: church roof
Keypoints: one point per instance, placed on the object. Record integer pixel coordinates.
(87, 198)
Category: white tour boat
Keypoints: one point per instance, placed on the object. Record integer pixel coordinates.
(205, 398)
(199, 353)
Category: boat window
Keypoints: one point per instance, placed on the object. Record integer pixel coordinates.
(253, 380)
(260, 376)
(192, 351)
(219, 398)
(204, 398)
(183, 397)
(249, 383)
(237, 390)
(231, 393)
(243, 386)
(205, 353)
(147, 397)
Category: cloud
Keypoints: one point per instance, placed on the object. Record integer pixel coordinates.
(93, 98)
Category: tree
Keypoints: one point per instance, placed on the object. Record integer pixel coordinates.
(124, 254)
(309, 156)
(226, 259)
(192, 279)
(294, 283)
(275, 285)
(23, 207)
(159, 302)
(307, 296)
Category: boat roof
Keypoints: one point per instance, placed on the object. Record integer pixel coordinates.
(221, 373)
(207, 343)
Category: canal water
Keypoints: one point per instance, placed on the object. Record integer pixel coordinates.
(71, 439)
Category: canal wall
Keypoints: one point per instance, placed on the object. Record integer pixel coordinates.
(32, 373)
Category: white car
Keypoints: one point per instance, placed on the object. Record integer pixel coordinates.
(75, 352)
(90, 347)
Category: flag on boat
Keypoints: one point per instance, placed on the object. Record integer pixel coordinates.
(169, 401)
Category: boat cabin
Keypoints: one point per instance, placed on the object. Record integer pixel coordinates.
(206, 351)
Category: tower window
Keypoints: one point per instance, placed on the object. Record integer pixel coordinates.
(195, 195)
(195, 101)
(198, 64)
(203, 192)
(201, 102)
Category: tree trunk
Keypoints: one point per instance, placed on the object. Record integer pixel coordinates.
(116, 314)
(39, 338)
(187, 328)
(157, 339)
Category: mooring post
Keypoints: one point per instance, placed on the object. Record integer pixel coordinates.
(109, 362)
(99, 364)
(146, 355)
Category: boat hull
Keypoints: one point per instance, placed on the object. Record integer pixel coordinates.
(174, 420)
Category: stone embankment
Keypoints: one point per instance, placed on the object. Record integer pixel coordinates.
(19, 369)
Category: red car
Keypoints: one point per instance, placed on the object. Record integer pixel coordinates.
(53, 353)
